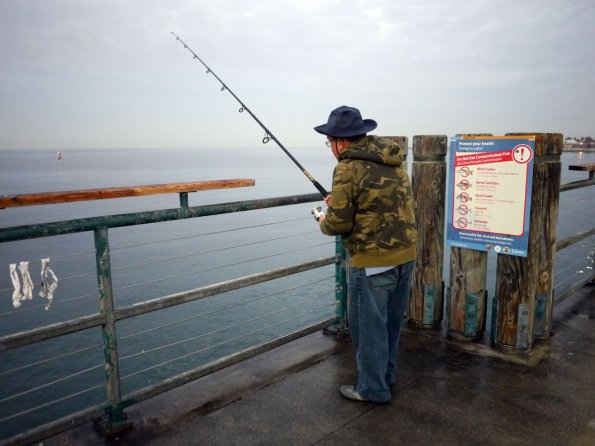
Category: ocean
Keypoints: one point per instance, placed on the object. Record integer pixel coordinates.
(40, 382)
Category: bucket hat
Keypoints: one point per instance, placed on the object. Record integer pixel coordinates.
(344, 122)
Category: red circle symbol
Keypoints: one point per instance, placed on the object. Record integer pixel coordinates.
(464, 197)
(464, 184)
(522, 153)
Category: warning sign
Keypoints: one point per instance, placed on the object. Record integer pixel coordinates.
(489, 193)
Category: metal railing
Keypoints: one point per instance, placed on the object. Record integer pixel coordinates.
(110, 416)
(572, 240)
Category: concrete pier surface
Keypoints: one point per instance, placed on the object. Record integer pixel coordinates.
(444, 395)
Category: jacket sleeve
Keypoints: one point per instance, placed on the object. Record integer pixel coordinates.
(339, 216)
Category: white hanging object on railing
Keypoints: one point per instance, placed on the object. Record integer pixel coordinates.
(27, 282)
(16, 283)
(49, 282)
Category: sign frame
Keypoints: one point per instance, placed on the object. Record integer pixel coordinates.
(489, 193)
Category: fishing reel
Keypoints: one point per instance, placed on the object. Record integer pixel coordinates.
(317, 213)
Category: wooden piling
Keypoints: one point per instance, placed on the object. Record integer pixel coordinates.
(467, 293)
(429, 188)
(524, 285)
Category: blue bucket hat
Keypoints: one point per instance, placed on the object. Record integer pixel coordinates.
(344, 122)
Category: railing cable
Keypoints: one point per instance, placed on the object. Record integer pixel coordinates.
(215, 345)
(53, 358)
(223, 231)
(177, 276)
(228, 307)
(56, 381)
(50, 403)
(15, 415)
(56, 258)
(132, 335)
(167, 259)
(55, 302)
(64, 279)
(137, 245)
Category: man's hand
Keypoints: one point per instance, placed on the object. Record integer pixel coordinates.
(327, 200)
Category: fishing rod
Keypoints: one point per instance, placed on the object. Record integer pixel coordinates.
(268, 134)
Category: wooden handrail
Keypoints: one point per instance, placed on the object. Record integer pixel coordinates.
(586, 166)
(589, 167)
(119, 192)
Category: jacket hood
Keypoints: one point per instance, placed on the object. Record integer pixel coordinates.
(375, 149)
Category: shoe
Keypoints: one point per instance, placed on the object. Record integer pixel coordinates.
(350, 393)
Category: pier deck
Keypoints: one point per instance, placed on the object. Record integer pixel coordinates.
(443, 396)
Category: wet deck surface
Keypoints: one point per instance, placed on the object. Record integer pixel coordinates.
(443, 396)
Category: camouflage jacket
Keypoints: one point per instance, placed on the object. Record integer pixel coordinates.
(372, 204)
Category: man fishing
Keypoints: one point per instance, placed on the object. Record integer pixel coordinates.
(371, 207)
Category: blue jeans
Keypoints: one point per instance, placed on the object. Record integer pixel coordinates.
(377, 308)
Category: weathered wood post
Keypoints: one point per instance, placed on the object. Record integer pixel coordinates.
(524, 285)
(467, 293)
(429, 188)
(546, 172)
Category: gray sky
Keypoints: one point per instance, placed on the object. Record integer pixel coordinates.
(103, 74)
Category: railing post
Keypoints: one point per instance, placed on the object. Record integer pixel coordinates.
(429, 186)
(341, 325)
(116, 420)
(524, 285)
(184, 200)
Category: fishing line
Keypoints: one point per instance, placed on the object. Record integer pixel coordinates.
(268, 135)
